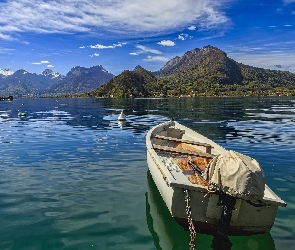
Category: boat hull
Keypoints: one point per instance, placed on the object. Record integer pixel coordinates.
(246, 219)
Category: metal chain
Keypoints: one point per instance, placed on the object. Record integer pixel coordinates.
(192, 230)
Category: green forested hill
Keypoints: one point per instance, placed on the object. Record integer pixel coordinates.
(128, 83)
(207, 71)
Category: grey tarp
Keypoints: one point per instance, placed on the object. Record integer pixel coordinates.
(237, 175)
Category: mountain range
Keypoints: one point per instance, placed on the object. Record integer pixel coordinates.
(200, 72)
(78, 80)
(207, 71)
(21, 82)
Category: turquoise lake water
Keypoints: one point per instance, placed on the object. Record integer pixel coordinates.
(73, 177)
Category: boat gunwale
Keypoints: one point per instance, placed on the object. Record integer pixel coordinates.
(179, 182)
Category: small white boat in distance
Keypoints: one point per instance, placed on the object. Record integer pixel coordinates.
(181, 162)
(122, 116)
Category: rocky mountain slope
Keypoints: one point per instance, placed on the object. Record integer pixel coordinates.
(81, 80)
(208, 63)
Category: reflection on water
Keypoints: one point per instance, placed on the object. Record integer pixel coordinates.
(167, 234)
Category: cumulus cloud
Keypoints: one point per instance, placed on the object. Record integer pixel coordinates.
(94, 55)
(41, 62)
(192, 27)
(183, 37)
(180, 37)
(166, 43)
(129, 17)
(50, 66)
(100, 46)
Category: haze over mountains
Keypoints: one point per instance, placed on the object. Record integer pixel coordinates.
(206, 71)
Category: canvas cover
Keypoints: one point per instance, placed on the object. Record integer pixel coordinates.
(237, 175)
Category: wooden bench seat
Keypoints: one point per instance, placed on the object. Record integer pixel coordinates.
(206, 145)
(181, 151)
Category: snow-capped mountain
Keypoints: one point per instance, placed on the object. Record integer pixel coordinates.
(78, 80)
(81, 80)
(50, 73)
(5, 72)
(21, 82)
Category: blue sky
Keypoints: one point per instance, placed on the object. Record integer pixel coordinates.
(121, 34)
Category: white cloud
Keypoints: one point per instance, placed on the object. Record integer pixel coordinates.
(183, 37)
(144, 49)
(6, 37)
(50, 66)
(192, 27)
(166, 43)
(41, 62)
(82, 47)
(133, 54)
(215, 16)
(129, 17)
(95, 54)
(156, 59)
(180, 37)
(100, 46)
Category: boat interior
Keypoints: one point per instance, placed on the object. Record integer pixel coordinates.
(191, 157)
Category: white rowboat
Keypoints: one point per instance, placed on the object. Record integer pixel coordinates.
(170, 146)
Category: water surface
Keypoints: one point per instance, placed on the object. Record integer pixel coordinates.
(73, 177)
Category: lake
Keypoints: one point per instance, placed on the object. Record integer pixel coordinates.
(73, 177)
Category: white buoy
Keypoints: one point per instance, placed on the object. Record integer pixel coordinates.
(122, 116)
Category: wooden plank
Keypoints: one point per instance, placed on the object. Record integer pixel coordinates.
(184, 152)
(182, 141)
